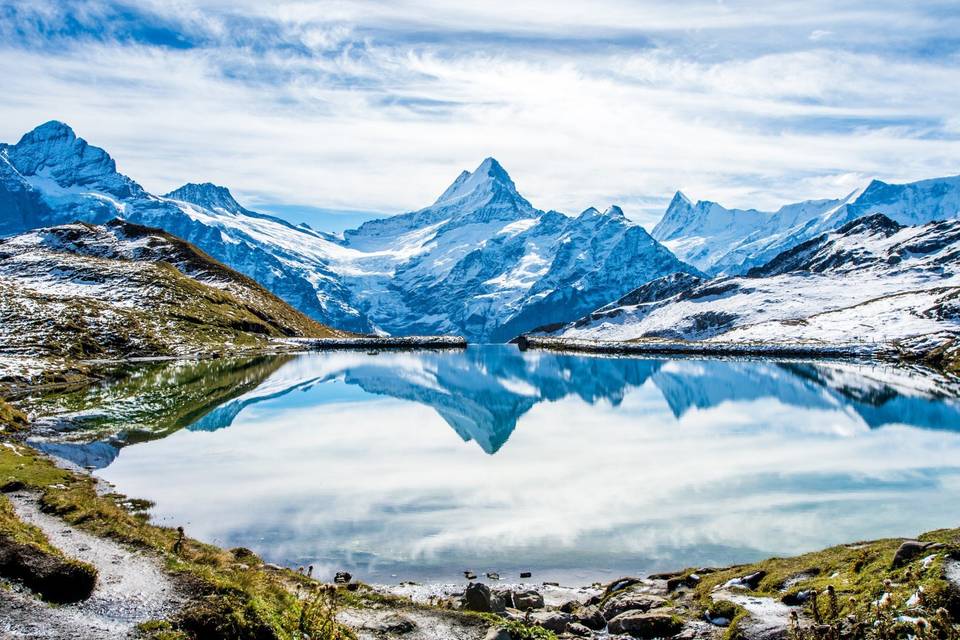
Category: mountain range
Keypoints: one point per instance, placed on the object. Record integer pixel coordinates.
(733, 241)
(483, 262)
(872, 280)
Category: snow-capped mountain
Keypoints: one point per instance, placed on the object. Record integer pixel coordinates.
(870, 280)
(732, 241)
(480, 261)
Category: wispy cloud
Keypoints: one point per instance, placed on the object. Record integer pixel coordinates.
(377, 105)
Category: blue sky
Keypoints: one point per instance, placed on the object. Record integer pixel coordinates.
(310, 109)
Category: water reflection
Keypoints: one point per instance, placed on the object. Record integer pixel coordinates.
(590, 467)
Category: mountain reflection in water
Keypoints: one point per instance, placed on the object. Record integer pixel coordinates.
(596, 466)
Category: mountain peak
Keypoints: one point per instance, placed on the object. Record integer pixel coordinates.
(207, 195)
(486, 180)
(679, 199)
(54, 151)
(54, 129)
(614, 210)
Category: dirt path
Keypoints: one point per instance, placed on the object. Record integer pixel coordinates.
(131, 588)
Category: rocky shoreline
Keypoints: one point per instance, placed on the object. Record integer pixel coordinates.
(683, 347)
(379, 342)
(920, 350)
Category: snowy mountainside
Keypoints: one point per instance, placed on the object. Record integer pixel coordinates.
(732, 241)
(872, 279)
(480, 261)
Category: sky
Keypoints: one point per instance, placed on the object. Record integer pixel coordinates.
(331, 112)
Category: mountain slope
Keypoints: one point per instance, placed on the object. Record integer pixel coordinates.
(481, 261)
(732, 241)
(83, 291)
(872, 280)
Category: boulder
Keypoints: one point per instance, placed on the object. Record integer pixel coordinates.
(620, 584)
(478, 597)
(630, 601)
(496, 633)
(555, 621)
(751, 581)
(342, 577)
(907, 551)
(577, 629)
(590, 617)
(526, 599)
(654, 624)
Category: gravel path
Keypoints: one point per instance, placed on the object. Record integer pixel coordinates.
(131, 588)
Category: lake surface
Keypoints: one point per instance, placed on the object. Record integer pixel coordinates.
(417, 466)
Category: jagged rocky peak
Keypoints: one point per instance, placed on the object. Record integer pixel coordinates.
(206, 195)
(487, 181)
(54, 151)
(876, 222)
(679, 214)
(612, 211)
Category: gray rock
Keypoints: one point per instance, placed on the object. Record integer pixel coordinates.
(478, 597)
(620, 584)
(577, 629)
(655, 624)
(393, 624)
(497, 634)
(907, 551)
(528, 599)
(630, 601)
(590, 617)
(555, 621)
(751, 581)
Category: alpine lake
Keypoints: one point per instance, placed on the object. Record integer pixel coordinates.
(419, 465)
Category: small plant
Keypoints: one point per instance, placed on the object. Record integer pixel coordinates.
(318, 615)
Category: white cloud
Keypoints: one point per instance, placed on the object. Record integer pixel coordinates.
(386, 102)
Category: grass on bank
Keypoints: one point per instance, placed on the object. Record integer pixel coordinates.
(236, 595)
(857, 592)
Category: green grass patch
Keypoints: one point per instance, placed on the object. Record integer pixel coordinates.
(12, 420)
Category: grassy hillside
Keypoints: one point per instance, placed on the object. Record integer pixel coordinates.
(81, 292)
